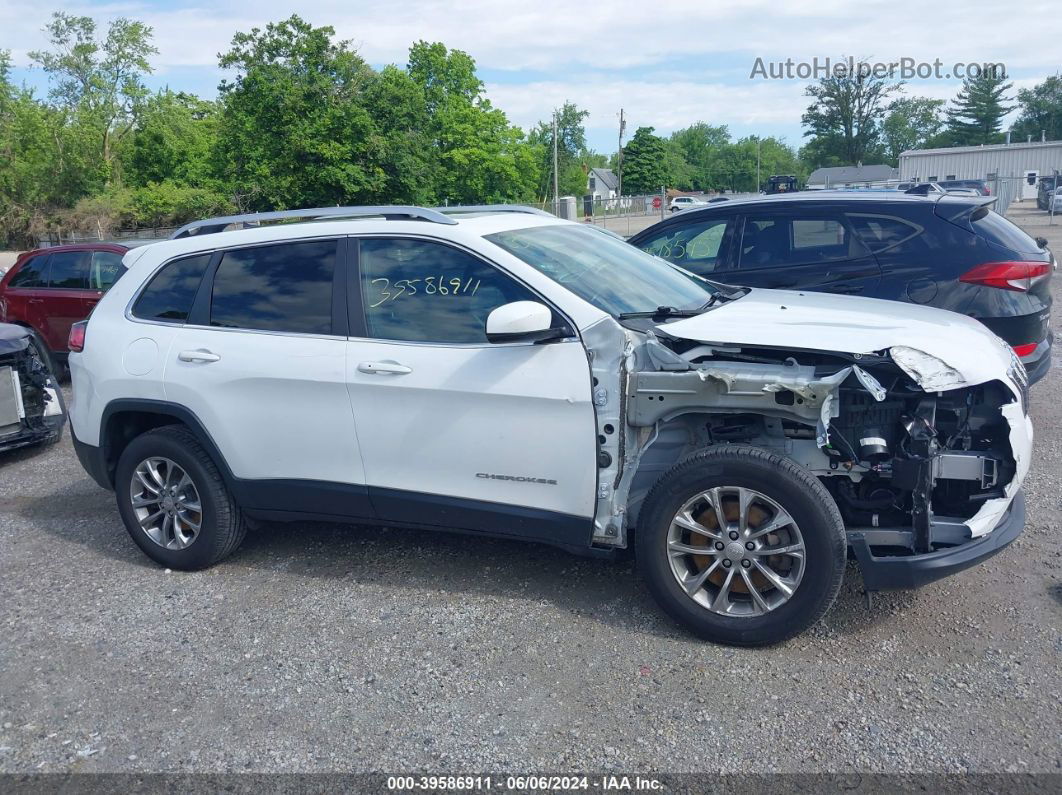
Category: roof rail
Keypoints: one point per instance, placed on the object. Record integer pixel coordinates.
(211, 225)
(494, 208)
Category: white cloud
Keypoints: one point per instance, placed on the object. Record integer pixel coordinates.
(667, 63)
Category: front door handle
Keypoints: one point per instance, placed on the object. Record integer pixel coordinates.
(198, 356)
(384, 368)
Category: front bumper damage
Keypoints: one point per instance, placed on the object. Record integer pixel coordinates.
(913, 571)
(955, 490)
(32, 410)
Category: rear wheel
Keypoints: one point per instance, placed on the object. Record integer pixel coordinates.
(174, 502)
(741, 546)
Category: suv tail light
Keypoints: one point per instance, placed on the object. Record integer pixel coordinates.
(76, 341)
(1019, 276)
(1025, 350)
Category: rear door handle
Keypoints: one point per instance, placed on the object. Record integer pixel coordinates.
(383, 368)
(198, 356)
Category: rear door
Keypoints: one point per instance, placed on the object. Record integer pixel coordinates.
(808, 249)
(261, 362)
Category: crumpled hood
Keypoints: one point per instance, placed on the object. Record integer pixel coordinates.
(12, 338)
(848, 324)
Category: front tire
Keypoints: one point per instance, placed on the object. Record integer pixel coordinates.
(741, 546)
(174, 502)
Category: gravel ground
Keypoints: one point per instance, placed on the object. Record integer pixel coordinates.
(328, 648)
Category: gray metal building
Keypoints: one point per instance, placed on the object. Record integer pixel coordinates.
(1018, 161)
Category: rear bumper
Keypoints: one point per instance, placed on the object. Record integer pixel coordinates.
(913, 571)
(93, 461)
(1038, 362)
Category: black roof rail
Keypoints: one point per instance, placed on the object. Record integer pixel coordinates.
(210, 225)
(494, 208)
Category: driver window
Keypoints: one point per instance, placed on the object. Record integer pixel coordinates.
(420, 291)
(695, 246)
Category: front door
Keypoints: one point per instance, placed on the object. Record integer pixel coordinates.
(456, 431)
(261, 363)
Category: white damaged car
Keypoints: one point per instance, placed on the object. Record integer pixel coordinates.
(499, 371)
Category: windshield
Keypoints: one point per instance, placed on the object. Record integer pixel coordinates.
(606, 272)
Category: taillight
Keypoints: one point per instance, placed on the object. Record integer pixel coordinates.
(76, 341)
(1020, 276)
(1025, 350)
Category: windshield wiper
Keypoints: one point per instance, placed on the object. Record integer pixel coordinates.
(662, 312)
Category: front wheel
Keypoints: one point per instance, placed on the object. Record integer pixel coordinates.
(741, 546)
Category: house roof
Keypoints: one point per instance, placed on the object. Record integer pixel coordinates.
(606, 177)
(842, 174)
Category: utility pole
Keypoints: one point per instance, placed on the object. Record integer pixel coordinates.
(757, 164)
(556, 181)
(619, 155)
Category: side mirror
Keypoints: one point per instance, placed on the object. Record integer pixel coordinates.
(522, 321)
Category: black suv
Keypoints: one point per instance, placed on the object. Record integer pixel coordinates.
(951, 252)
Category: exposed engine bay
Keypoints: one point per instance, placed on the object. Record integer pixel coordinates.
(31, 409)
(911, 469)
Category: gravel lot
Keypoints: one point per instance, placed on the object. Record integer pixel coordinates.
(321, 648)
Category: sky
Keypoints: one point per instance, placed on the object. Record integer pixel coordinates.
(667, 64)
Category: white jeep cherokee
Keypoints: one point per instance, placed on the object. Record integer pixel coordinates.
(503, 372)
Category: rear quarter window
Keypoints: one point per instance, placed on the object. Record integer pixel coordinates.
(168, 296)
(996, 229)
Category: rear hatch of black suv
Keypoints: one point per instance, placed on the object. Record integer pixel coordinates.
(1012, 288)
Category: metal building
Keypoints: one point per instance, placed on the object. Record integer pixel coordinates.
(1022, 163)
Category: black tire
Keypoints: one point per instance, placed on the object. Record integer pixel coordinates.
(778, 478)
(222, 524)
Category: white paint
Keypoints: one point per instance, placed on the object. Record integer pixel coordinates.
(140, 356)
(849, 324)
(519, 317)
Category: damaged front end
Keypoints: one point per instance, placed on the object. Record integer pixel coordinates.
(925, 467)
(31, 403)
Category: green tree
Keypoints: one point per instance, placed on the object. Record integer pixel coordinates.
(645, 166)
(174, 141)
(911, 123)
(695, 152)
(294, 128)
(480, 157)
(976, 116)
(844, 118)
(99, 83)
(399, 109)
(1040, 110)
(573, 159)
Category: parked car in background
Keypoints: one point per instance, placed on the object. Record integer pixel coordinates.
(979, 186)
(31, 403)
(1044, 190)
(49, 289)
(685, 203)
(947, 251)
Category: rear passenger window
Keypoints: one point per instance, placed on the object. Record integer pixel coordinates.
(69, 270)
(879, 232)
(169, 295)
(32, 273)
(769, 241)
(285, 287)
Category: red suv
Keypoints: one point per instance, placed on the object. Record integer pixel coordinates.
(49, 289)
